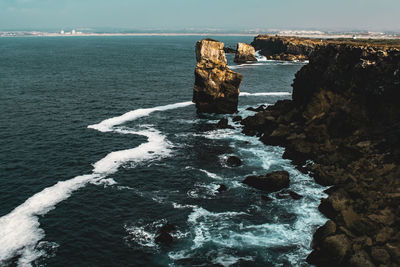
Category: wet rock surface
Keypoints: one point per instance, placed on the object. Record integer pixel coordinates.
(164, 236)
(216, 87)
(233, 161)
(270, 182)
(344, 116)
(223, 124)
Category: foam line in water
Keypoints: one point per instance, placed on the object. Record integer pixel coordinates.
(20, 230)
(107, 125)
(265, 94)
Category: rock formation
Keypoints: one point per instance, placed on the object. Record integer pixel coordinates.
(285, 48)
(345, 117)
(216, 87)
(270, 182)
(297, 48)
(245, 53)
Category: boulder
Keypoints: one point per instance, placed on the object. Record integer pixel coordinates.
(221, 188)
(233, 161)
(164, 236)
(223, 124)
(245, 53)
(270, 182)
(380, 255)
(361, 259)
(288, 194)
(237, 118)
(260, 108)
(332, 252)
(216, 87)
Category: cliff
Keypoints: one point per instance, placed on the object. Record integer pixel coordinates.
(216, 87)
(345, 117)
(297, 48)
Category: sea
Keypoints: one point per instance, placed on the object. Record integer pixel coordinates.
(100, 146)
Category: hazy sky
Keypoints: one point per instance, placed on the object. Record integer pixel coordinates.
(180, 14)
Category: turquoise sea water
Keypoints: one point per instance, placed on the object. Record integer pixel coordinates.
(100, 146)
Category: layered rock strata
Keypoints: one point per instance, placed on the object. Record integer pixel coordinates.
(345, 117)
(216, 88)
(245, 53)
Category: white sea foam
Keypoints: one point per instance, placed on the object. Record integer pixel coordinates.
(265, 94)
(260, 58)
(107, 125)
(20, 231)
(211, 175)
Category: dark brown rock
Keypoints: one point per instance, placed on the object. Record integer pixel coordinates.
(221, 188)
(271, 182)
(233, 161)
(360, 259)
(380, 255)
(223, 124)
(237, 118)
(329, 228)
(164, 236)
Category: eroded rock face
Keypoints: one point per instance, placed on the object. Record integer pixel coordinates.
(216, 87)
(245, 53)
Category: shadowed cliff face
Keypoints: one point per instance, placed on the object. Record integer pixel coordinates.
(216, 87)
(345, 117)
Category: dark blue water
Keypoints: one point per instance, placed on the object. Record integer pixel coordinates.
(123, 178)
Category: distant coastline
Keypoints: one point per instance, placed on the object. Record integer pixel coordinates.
(308, 34)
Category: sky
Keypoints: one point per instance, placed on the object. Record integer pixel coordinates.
(373, 15)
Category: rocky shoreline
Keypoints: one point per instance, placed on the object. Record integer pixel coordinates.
(343, 127)
(297, 48)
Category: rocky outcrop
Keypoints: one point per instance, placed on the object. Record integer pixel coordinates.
(245, 53)
(229, 50)
(216, 88)
(233, 161)
(291, 48)
(345, 117)
(285, 48)
(164, 237)
(270, 182)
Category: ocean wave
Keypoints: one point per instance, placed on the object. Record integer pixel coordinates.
(20, 230)
(259, 57)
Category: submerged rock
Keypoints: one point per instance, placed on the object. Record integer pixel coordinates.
(288, 194)
(223, 124)
(221, 188)
(271, 182)
(245, 53)
(216, 87)
(237, 118)
(164, 236)
(233, 161)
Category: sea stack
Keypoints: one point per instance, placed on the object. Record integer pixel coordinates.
(245, 53)
(216, 87)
